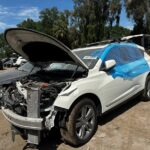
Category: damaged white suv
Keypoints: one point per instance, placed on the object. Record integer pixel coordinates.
(69, 89)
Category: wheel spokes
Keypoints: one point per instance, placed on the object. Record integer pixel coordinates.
(89, 126)
(89, 114)
(82, 132)
(84, 111)
(79, 124)
(85, 122)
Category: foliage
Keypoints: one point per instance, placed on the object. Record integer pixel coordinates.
(139, 12)
(116, 32)
(5, 50)
(29, 23)
(114, 12)
(90, 18)
(89, 21)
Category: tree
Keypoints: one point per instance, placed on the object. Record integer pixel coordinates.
(29, 23)
(139, 12)
(5, 50)
(148, 17)
(90, 18)
(61, 29)
(48, 18)
(117, 31)
(114, 11)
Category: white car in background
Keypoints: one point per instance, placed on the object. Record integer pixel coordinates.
(20, 61)
(70, 89)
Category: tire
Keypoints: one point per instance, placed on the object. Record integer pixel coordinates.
(146, 92)
(81, 124)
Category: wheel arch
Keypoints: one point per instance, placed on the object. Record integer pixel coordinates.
(143, 83)
(148, 74)
(93, 97)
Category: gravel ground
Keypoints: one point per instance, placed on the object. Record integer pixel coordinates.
(125, 128)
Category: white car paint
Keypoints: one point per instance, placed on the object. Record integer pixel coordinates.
(110, 91)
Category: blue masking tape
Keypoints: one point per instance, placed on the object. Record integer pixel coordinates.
(132, 67)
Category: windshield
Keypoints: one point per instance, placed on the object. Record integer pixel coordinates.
(50, 66)
(64, 70)
(88, 56)
(62, 66)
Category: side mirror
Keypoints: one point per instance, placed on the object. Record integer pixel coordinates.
(110, 64)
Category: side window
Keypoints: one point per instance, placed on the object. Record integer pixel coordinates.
(134, 53)
(124, 54)
(119, 54)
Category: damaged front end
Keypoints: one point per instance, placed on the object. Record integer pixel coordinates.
(28, 106)
(27, 102)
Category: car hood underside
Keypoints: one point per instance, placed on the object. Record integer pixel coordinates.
(38, 47)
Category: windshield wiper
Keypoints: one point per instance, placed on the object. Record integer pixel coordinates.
(74, 72)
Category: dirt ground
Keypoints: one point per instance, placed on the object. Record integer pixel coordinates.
(125, 128)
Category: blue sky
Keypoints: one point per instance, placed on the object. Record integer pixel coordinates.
(13, 12)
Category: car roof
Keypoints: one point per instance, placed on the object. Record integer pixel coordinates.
(90, 48)
(104, 46)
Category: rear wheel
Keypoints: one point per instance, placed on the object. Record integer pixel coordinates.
(81, 124)
(146, 92)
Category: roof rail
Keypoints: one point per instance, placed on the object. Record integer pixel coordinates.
(93, 44)
(119, 39)
(104, 42)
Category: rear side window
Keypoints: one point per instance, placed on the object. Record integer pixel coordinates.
(125, 54)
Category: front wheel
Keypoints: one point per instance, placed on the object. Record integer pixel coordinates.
(81, 124)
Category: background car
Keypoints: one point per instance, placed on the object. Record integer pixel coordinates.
(20, 61)
(4, 60)
(10, 61)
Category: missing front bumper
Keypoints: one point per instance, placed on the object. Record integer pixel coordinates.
(34, 126)
(32, 123)
(23, 122)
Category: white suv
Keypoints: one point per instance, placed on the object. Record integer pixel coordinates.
(70, 89)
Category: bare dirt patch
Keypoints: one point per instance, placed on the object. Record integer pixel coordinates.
(125, 128)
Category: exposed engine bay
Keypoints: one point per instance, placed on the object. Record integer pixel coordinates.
(49, 82)
(15, 97)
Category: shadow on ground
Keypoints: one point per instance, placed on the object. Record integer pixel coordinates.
(54, 139)
(109, 116)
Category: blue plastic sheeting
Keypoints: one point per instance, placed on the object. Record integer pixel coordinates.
(130, 70)
(129, 59)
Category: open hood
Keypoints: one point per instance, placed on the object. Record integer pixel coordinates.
(38, 47)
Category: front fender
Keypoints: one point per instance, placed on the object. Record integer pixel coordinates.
(66, 99)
